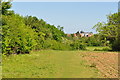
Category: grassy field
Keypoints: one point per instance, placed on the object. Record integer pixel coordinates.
(48, 64)
(98, 48)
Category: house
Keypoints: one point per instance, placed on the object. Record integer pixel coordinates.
(81, 34)
(88, 34)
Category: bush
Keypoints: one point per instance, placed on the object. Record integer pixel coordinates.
(55, 45)
(78, 46)
(17, 37)
(116, 46)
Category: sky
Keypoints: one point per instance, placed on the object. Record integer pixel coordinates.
(73, 16)
(66, 0)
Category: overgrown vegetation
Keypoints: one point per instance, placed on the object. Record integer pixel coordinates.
(22, 34)
(110, 30)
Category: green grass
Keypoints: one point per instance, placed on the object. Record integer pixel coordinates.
(98, 48)
(48, 64)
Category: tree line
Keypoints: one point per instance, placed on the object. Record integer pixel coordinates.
(22, 34)
(110, 30)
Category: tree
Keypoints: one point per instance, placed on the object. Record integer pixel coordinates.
(81, 31)
(60, 28)
(5, 8)
(110, 30)
(23, 34)
(16, 36)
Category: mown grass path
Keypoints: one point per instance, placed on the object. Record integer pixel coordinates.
(48, 64)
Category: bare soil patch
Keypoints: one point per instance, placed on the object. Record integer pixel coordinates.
(105, 62)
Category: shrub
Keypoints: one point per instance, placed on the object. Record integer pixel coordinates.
(55, 45)
(116, 45)
(17, 37)
(78, 46)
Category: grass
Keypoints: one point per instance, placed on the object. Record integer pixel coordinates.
(48, 64)
(98, 48)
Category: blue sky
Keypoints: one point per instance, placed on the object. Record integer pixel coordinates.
(73, 16)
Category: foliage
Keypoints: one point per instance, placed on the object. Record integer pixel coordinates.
(4, 8)
(116, 45)
(17, 37)
(77, 45)
(97, 40)
(55, 45)
(23, 34)
(43, 30)
(110, 30)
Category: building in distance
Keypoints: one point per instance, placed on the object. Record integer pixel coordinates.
(81, 34)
